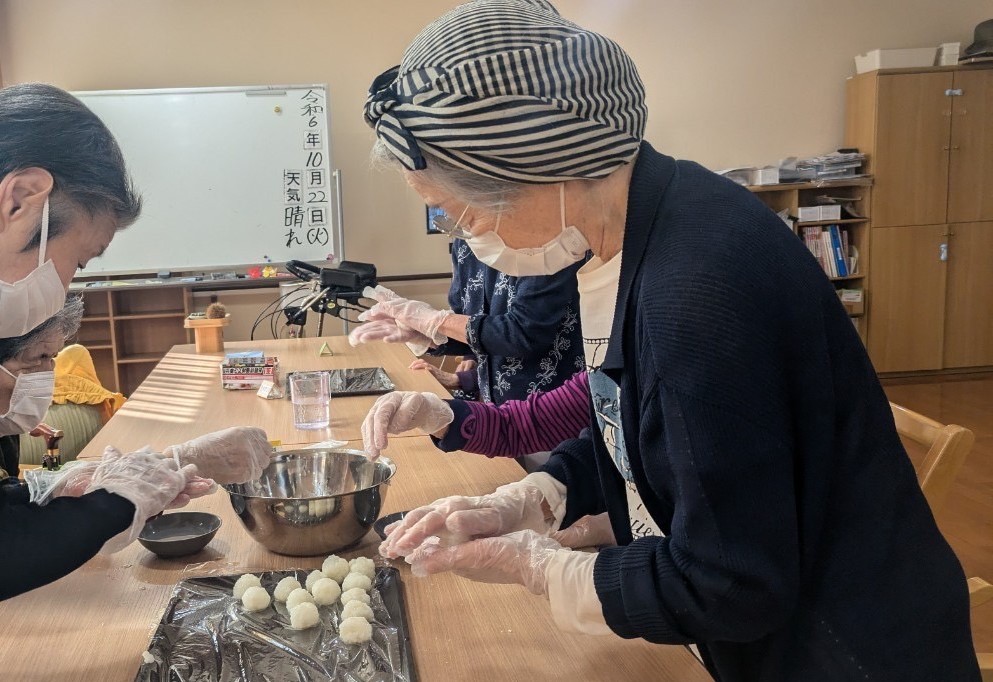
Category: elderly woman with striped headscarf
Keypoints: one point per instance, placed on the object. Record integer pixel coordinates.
(735, 413)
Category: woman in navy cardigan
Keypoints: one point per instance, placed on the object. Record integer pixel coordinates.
(734, 408)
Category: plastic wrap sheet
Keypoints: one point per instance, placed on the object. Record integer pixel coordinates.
(206, 635)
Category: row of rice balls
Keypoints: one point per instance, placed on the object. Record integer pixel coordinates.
(338, 580)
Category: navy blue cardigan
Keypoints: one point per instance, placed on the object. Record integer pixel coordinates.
(798, 544)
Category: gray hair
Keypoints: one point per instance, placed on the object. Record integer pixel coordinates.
(42, 126)
(66, 321)
(490, 194)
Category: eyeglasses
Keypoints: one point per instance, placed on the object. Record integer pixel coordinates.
(441, 222)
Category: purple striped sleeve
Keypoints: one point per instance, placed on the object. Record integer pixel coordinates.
(520, 427)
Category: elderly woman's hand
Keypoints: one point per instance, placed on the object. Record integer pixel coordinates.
(415, 315)
(401, 411)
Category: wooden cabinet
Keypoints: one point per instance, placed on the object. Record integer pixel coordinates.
(908, 297)
(129, 329)
(928, 134)
(969, 308)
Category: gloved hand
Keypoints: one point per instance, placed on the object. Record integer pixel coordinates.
(400, 411)
(389, 331)
(415, 315)
(234, 455)
(446, 379)
(522, 557)
(146, 480)
(589, 531)
(74, 478)
(509, 508)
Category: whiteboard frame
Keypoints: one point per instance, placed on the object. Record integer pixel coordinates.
(250, 90)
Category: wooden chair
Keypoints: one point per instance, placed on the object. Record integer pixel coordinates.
(947, 446)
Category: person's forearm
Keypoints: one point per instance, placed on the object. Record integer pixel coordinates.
(454, 327)
(42, 544)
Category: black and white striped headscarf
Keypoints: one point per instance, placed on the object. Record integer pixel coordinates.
(511, 90)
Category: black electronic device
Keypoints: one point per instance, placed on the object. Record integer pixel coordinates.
(333, 287)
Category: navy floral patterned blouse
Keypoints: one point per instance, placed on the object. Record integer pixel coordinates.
(523, 331)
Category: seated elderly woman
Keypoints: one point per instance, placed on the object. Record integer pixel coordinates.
(27, 363)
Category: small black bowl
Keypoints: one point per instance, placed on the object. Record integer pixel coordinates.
(381, 524)
(179, 533)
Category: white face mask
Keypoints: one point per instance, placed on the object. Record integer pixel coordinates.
(30, 400)
(30, 301)
(568, 247)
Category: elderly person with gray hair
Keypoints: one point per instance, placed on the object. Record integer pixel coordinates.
(733, 405)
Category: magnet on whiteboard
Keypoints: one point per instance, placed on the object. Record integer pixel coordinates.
(278, 110)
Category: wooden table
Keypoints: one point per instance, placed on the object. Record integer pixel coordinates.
(183, 398)
(93, 625)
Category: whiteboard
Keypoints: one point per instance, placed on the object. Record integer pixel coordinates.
(230, 177)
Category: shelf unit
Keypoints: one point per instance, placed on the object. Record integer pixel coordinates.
(127, 331)
(791, 196)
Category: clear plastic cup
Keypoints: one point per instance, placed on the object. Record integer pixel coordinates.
(310, 393)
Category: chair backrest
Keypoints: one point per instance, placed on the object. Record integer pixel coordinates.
(947, 446)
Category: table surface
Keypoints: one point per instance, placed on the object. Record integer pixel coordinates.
(183, 398)
(93, 625)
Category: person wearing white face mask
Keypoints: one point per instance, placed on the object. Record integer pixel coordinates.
(733, 405)
(520, 324)
(64, 192)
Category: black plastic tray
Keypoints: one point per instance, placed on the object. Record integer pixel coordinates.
(357, 381)
(205, 636)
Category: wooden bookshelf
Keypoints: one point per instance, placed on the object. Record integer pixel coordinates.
(128, 330)
(790, 197)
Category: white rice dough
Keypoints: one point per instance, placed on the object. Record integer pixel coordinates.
(243, 583)
(313, 577)
(297, 597)
(353, 580)
(356, 609)
(255, 598)
(326, 592)
(335, 568)
(355, 594)
(363, 565)
(355, 630)
(284, 587)
(304, 616)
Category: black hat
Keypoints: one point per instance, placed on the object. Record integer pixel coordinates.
(982, 41)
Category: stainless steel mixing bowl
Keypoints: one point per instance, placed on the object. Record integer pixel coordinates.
(311, 502)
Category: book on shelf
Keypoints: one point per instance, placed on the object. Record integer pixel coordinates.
(831, 247)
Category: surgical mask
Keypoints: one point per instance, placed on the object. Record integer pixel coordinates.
(568, 247)
(30, 301)
(30, 400)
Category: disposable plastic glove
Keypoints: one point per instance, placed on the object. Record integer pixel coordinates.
(415, 315)
(146, 480)
(236, 455)
(512, 507)
(390, 332)
(589, 531)
(401, 411)
(522, 557)
(74, 478)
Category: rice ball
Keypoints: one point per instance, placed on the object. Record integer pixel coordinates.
(243, 583)
(356, 609)
(359, 580)
(284, 587)
(355, 630)
(304, 616)
(363, 565)
(313, 577)
(325, 591)
(297, 597)
(255, 598)
(335, 568)
(355, 594)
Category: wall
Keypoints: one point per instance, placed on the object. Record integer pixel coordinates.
(729, 83)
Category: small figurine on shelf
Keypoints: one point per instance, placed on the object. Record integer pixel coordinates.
(269, 271)
(208, 328)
